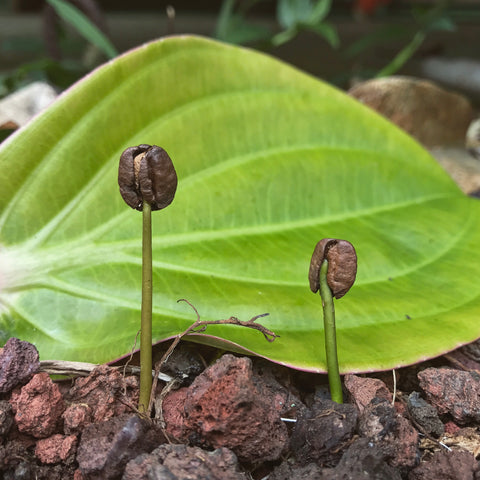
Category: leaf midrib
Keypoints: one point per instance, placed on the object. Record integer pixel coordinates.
(188, 182)
(41, 264)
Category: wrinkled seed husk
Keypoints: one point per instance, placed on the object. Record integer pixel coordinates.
(342, 265)
(153, 181)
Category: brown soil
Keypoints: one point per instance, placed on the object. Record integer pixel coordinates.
(240, 418)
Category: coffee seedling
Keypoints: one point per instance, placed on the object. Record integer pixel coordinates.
(332, 271)
(148, 182)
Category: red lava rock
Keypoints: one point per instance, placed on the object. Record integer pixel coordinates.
(106, 391)
(173, 412)
(224, 408)
(453, 391)
(404, 442)
(265, 376)
(180, 462)
(322, 432)
(451, 428)
(364, 390)
(363, 460)
(18, 362)
(17, 462)
(391, 432)
(56, 448)
(38, 406)
(106, 447)
(75, 417)
(445, 465)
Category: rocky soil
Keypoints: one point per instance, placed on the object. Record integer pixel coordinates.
(240, 418)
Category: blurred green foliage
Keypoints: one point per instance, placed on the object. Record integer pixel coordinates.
(85, 46)
(296, 16)
(82, 52)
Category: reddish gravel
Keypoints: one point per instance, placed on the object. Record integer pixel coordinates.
(240, 418)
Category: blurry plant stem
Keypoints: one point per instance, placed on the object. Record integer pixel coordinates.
(146, 315)
(330, 336)
(403, 56)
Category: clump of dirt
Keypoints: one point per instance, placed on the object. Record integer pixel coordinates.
(239, 418)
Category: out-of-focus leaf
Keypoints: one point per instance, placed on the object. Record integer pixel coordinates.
(292, 12)
(328, 32)
(84, 26)
(232, 27)
(320, 11)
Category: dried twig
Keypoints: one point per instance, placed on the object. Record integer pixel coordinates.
(61, 367)
(199, 326)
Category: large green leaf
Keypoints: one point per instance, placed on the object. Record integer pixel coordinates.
(269, 162)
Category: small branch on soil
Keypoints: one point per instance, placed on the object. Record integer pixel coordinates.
(199, 326)
(61, 367)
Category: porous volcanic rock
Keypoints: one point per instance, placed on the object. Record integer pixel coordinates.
(364, 390)
(454, 392)
(106, 391)
(56, 448)
(363, 460)
(445, 465)
(425, 415)
(75, 417)
(322, 432)
(6, 418)
(106, 447)
(377, 420)
(404, 442)
(180, 462)
(38, 406)
(18, 362)
(225, 407)
(392, 433)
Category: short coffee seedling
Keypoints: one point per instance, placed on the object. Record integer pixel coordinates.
(332, 271)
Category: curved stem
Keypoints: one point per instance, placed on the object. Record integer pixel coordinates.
(330, 336)
(146, 315)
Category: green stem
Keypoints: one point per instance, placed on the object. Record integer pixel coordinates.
(146, 320)
(330, 336)
(403, 56)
